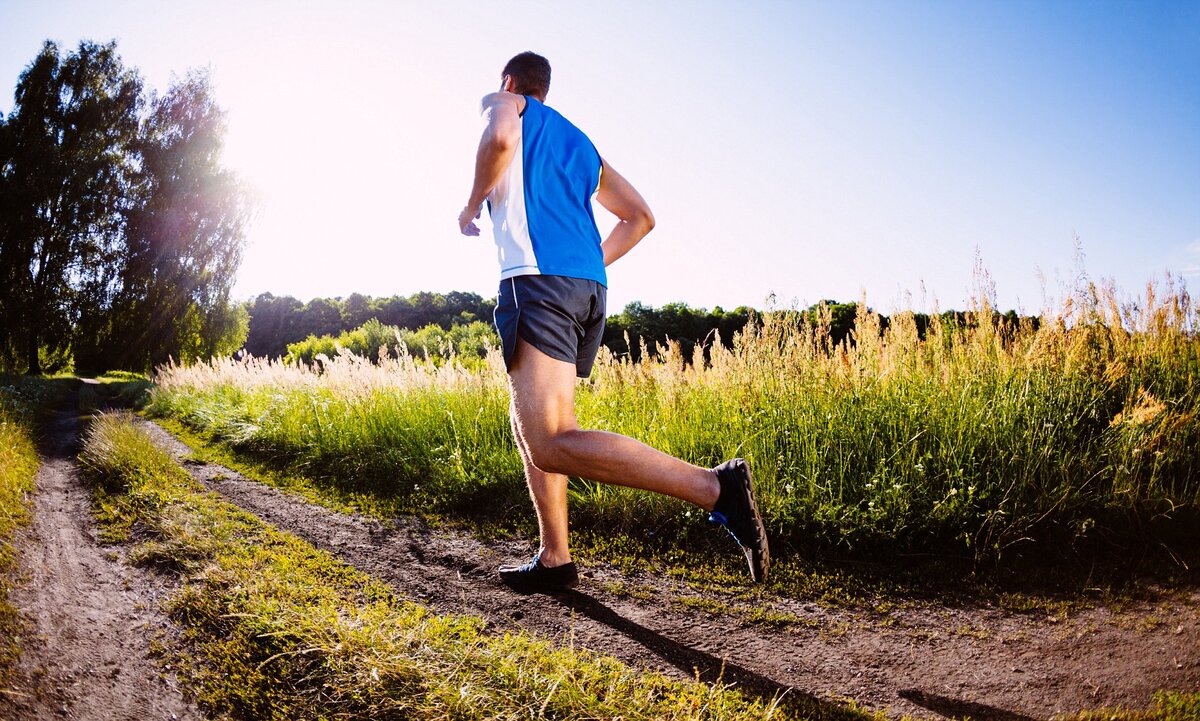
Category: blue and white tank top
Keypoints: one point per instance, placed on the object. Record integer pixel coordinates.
(542, 207)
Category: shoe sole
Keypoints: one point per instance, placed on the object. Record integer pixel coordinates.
(520, 581)
(527, 587)
(759, 559)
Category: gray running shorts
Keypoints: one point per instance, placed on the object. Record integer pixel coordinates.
(560, 316)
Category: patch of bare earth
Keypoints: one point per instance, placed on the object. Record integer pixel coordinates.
(89, 617)
(927, 661)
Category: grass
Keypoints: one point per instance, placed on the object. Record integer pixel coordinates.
(115, 389)
(275, 629)
(979, 445)
(1167, 706)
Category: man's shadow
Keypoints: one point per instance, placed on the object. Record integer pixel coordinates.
(711, 669)
(704, 666)
(957, 708)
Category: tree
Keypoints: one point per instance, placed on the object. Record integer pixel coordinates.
(184, 238)
(320, 316)
(272, 325)
(356, 310)
(64, 174)
(395, 311)
(120, 232)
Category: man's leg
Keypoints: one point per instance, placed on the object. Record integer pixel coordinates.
(543, 391)
(553, 445)
(549, 493)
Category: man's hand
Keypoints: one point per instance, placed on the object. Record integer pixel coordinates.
(466, 220)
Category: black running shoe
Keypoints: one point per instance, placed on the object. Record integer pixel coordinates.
(737, 511)
(533, 577)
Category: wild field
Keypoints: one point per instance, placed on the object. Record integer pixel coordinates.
(1066, 438)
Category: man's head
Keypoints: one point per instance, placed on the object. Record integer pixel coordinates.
(527, 74)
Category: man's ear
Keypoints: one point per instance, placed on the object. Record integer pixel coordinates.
(509, 84)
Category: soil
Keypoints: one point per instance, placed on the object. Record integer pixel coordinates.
(87, 649)
(926, 660)
(88, 617)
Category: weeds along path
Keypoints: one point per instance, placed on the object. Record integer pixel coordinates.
(927, 661)
(89, 617)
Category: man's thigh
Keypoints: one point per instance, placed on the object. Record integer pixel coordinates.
(543, 393)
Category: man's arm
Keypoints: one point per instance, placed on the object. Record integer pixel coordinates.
(496, 148)
(635, 219)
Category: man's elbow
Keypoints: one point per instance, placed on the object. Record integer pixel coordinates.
(645, 220)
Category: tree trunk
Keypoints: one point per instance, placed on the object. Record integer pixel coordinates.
(32, 344)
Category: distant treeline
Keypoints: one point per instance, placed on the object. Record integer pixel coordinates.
(283, 326)
(279, 321)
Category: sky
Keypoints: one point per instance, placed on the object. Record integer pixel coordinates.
(791, 151)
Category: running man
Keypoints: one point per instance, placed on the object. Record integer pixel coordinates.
(538, 173)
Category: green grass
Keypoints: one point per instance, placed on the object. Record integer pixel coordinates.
(275, 629)
(986, 445)
(115, 389)
(1167, 706)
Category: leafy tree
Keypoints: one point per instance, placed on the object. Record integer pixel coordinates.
(272, 324)
(426, 309)
(465, 308)
(120, 232)
(356, 310)
(64, 176)
(7, 210)
(468, 343)
(394, 311)
(184, 238)
(320, 316)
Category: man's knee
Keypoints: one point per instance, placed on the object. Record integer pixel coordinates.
(552, 452)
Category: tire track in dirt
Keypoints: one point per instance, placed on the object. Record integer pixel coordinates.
(929, 661)
(89, 617)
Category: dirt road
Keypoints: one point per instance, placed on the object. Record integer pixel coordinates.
(86, 651)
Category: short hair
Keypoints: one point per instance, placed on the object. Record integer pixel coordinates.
(530, 73)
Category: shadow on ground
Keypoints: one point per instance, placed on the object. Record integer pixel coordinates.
(959, 709)
(705, 666)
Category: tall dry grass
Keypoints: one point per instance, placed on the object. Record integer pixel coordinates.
(982, 437)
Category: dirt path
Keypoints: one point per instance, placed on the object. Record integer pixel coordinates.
(931, 661)
(86, 649)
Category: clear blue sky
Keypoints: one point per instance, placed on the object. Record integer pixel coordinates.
(809, 150)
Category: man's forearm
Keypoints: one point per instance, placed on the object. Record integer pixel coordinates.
(625, 234)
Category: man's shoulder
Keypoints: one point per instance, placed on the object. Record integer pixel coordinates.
(502, 99)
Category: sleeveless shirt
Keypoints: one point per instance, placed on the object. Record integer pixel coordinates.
(541, 209)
